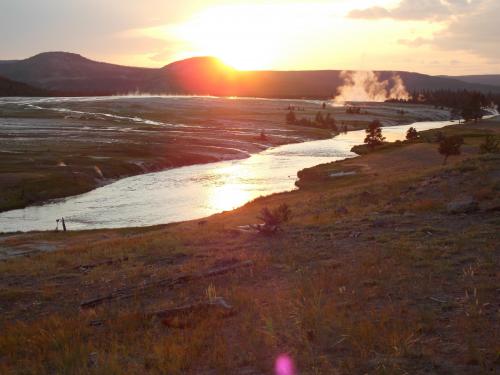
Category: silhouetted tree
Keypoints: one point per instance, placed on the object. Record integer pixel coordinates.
(464, 103)
(471, 109)
(374, 134)
(450, 146)
(290, 117)
(411, 134)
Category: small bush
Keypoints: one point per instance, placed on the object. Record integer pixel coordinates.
(450, 146)
(273, 219)
(490, 145)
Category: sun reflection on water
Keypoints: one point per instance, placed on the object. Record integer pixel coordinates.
(232, 188)
(228, 197)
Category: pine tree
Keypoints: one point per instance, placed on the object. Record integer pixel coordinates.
(411, 134)
(374, 134)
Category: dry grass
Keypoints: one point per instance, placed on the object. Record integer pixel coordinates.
(395, 285)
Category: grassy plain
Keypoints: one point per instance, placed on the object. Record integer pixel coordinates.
(371, 275)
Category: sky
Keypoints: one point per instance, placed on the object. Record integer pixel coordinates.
(452, 37)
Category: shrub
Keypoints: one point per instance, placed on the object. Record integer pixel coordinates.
(450, 146)
(490, 145)
(274, 218)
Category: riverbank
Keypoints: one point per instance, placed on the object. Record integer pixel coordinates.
(67, 146)
(388, 270)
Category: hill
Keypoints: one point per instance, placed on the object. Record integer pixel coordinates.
(69, 72)
(13, 88)
(73, 74)
(373, 274)
(484, 79)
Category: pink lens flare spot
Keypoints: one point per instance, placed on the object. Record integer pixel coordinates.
(284, 365)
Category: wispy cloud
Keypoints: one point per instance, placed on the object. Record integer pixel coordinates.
(468, 25)
(416, 10)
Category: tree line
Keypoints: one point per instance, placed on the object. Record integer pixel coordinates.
(320, 120)
(462, 103)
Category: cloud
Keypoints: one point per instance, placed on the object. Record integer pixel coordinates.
(370, 13)
(468, 25)
(476, 32)
(416, 10)
(415, 42)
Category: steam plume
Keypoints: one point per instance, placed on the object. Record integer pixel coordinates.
(360, 86)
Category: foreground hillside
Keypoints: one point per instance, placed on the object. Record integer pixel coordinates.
(390, 270)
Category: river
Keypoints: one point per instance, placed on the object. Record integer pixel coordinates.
(195, 191)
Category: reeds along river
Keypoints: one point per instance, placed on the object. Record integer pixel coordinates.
(195, 191)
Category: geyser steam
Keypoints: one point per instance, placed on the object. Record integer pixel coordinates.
(365, 86)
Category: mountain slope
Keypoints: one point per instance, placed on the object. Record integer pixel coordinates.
(72, 74)
(13, 88)
(484, 79)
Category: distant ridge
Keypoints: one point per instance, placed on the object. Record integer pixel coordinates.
(483, 79)
(70, 72)
(73, 74)
(13, 88)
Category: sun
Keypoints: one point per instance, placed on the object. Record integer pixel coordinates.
(250, 36)
(246, 37)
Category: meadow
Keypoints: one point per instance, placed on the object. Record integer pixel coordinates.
(374, 273)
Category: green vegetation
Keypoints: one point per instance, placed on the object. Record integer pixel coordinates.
(372, 275)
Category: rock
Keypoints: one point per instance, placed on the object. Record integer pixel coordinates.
(462, 206)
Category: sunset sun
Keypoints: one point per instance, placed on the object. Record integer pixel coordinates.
(244, 37)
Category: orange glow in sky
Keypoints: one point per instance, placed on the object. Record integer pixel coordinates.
(451, 37)
(301, 35)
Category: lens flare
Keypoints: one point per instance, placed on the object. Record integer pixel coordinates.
(284, 365)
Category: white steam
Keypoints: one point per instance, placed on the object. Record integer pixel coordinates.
(365, 86)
